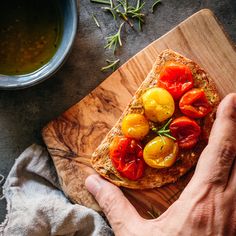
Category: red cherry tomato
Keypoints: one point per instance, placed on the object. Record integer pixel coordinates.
(195, 104)
(186, 131)
(127, 157)
(175, 78)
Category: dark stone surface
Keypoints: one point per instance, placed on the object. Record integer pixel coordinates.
(25, 112)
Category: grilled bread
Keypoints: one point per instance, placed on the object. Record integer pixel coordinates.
(186, 159)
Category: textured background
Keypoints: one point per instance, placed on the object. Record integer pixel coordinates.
(24, 113)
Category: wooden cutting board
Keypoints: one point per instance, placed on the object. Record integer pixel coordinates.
(72, 137)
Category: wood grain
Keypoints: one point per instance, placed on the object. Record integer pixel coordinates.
(72, 138)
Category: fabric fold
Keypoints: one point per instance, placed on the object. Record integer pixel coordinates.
(37, 206)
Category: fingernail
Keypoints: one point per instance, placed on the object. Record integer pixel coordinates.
(93, 184)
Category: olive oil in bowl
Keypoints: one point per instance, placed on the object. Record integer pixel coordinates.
(30, 34)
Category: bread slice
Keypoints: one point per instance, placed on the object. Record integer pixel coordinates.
(152, 178)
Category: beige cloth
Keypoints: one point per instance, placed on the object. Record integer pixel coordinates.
(37, 206)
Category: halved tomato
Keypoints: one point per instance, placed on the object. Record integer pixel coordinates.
(176, 78)
(127, 157)
(186, 131)
(194, 104)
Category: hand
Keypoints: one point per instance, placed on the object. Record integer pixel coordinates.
(207, 206)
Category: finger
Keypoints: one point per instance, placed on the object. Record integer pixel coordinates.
(118, 210)
(231, 186)
(215, 163)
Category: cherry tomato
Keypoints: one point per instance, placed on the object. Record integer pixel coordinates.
(176, 78)
(160, 152)
(158, 104)
(195, 104)
(127, 157)
(186, 131)
(135, 126)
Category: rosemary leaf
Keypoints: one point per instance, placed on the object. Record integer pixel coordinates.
(164, 131)
(169, 136)
(156, 2)
(111, 65)
(110, 10)
(138, 4)
(162, 139)
(96, 21)
(153, 213)
(167, 124)
(111, 4)
(101, 1)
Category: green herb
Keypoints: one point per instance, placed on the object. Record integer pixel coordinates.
(164, 131)
(130, 13)
(112, 9)
(153, 213)
(133, 12)
(111, 4)
(101, 1)
(111, 65)
(96, 21)
(156, 2)
(114, 40)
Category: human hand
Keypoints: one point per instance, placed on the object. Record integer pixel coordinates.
(207, 206)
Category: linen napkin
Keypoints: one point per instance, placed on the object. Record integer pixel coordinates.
(37, 206)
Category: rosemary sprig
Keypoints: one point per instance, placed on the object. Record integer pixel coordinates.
(164, 131)
(96, 21)
(156, 2)
(130, 13)
(114, 40)
(101, 1)
(135, 13)
(123, 11)
(111, 65)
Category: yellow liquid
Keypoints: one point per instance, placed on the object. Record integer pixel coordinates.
(30, 33)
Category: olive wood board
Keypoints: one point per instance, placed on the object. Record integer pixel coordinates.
(73, 136)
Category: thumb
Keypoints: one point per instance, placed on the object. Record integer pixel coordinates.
(118, 210)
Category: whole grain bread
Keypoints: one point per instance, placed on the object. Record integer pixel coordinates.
(101, 161)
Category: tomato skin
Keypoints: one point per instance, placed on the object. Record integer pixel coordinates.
(160, 152)
(127, 157)
(176, 78)
(158, 104)
(195, 104)
(135, 126)
(186, 131)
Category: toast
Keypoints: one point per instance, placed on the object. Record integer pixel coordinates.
(186, 159)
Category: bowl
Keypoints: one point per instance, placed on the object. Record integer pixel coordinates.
(68, 10)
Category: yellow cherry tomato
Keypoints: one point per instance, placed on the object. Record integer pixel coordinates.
(135, 126)
(158, 104)
(160, 152)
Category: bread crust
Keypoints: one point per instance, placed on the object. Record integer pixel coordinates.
(152, 178)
